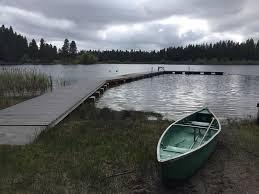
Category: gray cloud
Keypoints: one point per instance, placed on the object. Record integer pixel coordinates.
(124, 24)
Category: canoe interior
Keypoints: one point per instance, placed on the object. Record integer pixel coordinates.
(188, 134)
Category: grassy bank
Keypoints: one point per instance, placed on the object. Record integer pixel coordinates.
(85, 153)
(99, 150)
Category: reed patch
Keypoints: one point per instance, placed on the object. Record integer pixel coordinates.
(17, 84)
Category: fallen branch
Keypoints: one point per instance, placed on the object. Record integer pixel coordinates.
(120, 174)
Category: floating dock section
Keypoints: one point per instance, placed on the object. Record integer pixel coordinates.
(195, 72)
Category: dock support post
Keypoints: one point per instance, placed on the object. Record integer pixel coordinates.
(258, 113)
(97, 94)
(91, 99)
(101, 90)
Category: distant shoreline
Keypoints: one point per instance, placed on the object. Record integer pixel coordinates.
(205, 62)
(185, 62)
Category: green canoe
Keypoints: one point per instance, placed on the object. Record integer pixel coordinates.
(186, 144)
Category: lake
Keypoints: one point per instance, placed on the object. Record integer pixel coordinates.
(233, 95)
(230, 96)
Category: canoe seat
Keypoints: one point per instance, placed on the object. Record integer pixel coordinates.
(165, 155)
(175, 149)
(202, 124)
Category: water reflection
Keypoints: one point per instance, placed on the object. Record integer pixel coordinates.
(230, 96)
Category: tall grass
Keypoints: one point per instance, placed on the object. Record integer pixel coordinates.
(17, 82)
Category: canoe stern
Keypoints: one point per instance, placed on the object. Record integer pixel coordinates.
(183, 167)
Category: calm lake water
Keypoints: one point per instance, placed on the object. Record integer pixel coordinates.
(230, 96)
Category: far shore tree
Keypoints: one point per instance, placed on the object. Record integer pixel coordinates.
(47, 52)
(33, 50)
(42, 49)
(13, 46)
(73, 49)
(65, 49)
(86, 58)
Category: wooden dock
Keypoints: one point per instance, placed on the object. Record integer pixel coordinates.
(196, 72)
(21, 123)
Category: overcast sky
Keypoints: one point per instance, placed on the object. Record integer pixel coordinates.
(136, 24)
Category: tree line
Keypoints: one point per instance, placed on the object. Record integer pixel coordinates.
(220, 51)
(15, 48)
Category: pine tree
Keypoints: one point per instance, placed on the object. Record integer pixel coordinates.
(42, 50)
(65, 49)
(73, 49)
(257, 51)
(33, 50)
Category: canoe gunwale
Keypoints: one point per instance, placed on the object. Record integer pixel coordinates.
(191, 150)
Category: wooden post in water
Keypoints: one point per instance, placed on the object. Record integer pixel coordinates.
(258, 113)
